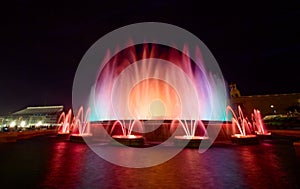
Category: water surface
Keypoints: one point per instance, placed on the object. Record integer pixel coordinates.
(49, 162)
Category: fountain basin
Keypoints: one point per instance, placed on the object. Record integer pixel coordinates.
(244, 139)
(297, 147)
(63, 135)
(128, 140)
(194, 141)
(82, 138)
(264, 136)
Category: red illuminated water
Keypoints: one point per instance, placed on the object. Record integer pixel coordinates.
(246, 126)
(65, 121)
(258, 124)
(239, 121)
(127, 127)
(81, 123)
(189, 127)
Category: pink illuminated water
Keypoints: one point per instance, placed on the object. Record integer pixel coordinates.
(258, 123)
(157, 82)
(239, 121)
(81, 123)
(244, 125)
(189, 128)
(65, 122)
(127, 127)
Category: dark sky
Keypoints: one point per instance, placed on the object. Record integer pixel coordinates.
(256, 44)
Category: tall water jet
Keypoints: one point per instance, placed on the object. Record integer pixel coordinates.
(81, 126)
(245, 128)
(152, 81)
(157, 75)
(127, 137)
(65, 124)
(155, 82)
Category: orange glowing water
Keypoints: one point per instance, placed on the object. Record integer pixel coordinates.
(151, 81)
(161, 100)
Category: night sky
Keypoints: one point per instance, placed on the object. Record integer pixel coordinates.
(256, 44)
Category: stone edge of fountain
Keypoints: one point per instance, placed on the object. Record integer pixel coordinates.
(244, 139)
(80, 138)
(119, 140)
(264, 136)
(194, 142)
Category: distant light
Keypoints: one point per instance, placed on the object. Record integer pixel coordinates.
(23, 123)
(39, 123)
(272, 106)
(12, 124)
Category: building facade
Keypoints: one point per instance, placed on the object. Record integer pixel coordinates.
(273, 104)
(32, 117)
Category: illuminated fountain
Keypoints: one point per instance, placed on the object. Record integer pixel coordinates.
(152, 81)
(127, 137)
(244, 127)
(189, 129)
(65, 124)
(259, 126)
(81, 126)
(155, 82)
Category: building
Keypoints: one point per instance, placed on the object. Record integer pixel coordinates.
(38, 116)
(234, 92)
(272, 104)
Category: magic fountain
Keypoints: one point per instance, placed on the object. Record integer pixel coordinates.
(156, 82)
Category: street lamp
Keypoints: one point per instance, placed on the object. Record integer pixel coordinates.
(273, 110)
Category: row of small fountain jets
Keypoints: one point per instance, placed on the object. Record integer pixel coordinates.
(80, 124)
